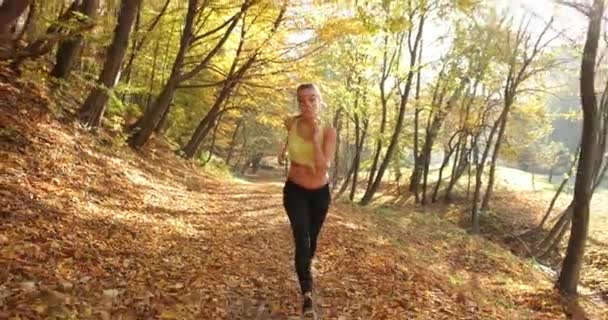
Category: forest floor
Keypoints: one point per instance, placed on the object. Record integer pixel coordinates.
(90, 229)
(518, 205)
(532, 203)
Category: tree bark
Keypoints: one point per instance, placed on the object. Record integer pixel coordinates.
(337, 123)
(55, 33)
(243, 150)
(353, 169)
(557, 194)
(480, 167)
(415, 178)
(70, 49)
(446, 159)
(453, 173)
(213, 137)
(204, 126)
(573, 262)
(357, 158)
(10, 11)
(564, 218)
(160, 127)
(556, 241)
(449, 151)
(94, 106)
(233, 141)
(492, 175)
(29, 24)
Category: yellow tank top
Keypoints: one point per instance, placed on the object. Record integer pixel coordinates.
(300, 151)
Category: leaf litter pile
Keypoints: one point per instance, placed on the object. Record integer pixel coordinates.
(91, 230)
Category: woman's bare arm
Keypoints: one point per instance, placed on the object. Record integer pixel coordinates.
(324, 153)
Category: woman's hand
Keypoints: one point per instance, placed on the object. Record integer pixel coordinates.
(316, 132)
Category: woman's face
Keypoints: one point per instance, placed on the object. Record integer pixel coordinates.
(308, 100)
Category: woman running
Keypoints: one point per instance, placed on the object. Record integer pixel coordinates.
(306, 194)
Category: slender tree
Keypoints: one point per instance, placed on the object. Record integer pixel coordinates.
(414, 37)
(525, 51)
(569, 276)
(94, 106)
(149, 121)
(69, 49)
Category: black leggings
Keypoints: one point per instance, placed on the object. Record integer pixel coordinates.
(306, 210)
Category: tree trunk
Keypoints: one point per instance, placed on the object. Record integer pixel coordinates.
(386, 66)
(492, 176)
(573, 262)
(201, 131)
(357, 159)
(125, 75)
(337, 123)
(160, 126)
(452, 181)
(10, 11)
(417, 169)
(469, 180)
(213, 137)
(431, 135)
(555, 244)
(94, 106)
(347, 179)
(444, 163)
(150, 119)
(353, 170)
(478, 180)
(55, 33)
(415, 178)
(564, 218)
(374, 166)
(27, 30)
(367, 197)
(243, 150)
(255, 162)
(152, 78)
(69, 50)
(372, 188)
(230, 83)
(233, 141)
(600, 177)
(138, 45)
(552, 203)
(480, 167)
(476, 193)
(148, 122)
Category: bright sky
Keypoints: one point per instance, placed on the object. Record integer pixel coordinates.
(567, 20)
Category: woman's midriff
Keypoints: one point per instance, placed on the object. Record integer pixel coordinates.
(304, 176)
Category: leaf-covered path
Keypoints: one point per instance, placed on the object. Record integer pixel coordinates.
(91, 230)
